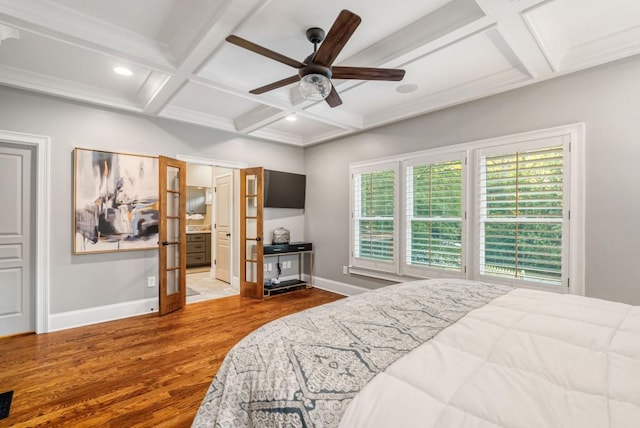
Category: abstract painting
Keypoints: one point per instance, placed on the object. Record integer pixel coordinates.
(116, 202)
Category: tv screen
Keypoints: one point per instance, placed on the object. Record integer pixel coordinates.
(284, 189)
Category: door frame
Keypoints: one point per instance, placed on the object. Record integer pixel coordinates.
(235, 281)
(42, 145)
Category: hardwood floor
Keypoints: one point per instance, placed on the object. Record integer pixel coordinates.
(144, 371)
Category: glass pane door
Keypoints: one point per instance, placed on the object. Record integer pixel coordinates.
(172, 255)
(251, 274)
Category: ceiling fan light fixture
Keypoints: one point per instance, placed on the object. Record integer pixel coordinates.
(315, 87)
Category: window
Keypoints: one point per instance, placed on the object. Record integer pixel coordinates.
(434, 214)
(496, 210)
(522, 212)
(374, 217)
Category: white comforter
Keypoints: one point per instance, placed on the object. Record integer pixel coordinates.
(526, 359)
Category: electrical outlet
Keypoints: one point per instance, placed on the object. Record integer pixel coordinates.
(265, 267)
(269, 267)
(151, 281)
(345, 270)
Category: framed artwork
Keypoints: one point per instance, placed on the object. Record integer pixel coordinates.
(115, 202)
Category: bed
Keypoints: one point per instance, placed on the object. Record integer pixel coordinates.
(436, 353)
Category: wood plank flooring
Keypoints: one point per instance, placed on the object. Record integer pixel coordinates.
(144, 371)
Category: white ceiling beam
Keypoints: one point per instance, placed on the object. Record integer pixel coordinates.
(515, 32)
(198, 118)
(257, 118)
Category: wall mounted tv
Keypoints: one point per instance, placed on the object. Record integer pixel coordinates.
(284, 189)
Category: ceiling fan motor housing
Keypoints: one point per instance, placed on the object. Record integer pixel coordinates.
(313, 68)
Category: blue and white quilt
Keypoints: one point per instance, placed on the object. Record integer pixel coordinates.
(304, 370)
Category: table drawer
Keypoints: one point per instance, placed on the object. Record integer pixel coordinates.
(200, 237)
(195, 259)
(196, 247)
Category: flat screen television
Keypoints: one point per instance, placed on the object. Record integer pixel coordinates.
(284, 189)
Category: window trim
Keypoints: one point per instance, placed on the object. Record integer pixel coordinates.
(576, 206)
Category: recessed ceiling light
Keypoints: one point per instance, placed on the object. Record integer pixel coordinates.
(406, 88)
(291, 118)
(123, 71)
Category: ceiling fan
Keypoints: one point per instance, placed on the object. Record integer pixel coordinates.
(316, 71)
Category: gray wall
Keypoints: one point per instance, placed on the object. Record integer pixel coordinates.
(85, 281)
(606, 98)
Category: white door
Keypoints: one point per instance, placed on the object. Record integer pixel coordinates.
(223, 228)
(17, 270)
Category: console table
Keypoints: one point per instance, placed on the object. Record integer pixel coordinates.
(304, 253)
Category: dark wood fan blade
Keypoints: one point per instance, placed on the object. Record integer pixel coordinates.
(333, 99)
(238, 41)
(365, 73)
(338, 36)
(275, 85)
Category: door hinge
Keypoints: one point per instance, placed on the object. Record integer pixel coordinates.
(465, 215)
(465, 160)
(568, 283)
(465, 269)
(215, 190)
(569, 214)
(215, 262)
(215, 226)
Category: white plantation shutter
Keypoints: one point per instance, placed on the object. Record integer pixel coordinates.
(522, 221)
(374, 211)
(498, 210)
(434, 213)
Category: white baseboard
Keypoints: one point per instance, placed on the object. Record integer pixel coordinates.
(82, 317)
(338, 287)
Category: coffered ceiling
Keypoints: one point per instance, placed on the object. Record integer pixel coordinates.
(452, 50)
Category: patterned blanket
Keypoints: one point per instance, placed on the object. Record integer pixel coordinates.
(303, 370)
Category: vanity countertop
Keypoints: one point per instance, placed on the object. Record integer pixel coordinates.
(194, 232)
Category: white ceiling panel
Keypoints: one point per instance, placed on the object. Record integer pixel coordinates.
(156, 19)
(565, 27)
(452, 51)
(50, 57)
(244, 70)
(298, 132)
(213, 102)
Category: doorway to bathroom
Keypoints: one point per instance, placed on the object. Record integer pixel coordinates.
(212, 228)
